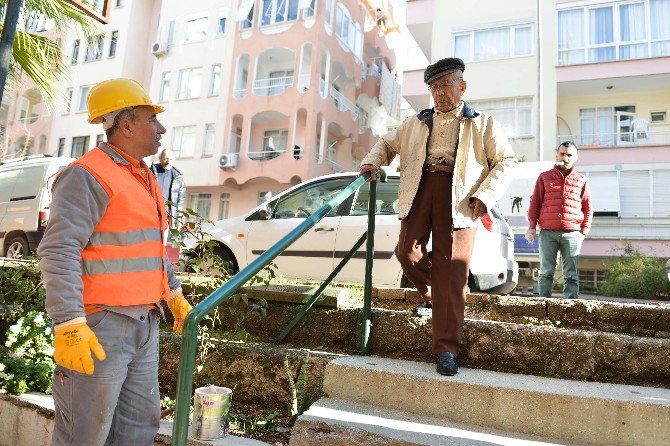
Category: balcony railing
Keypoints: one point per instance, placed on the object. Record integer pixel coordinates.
(264, 155)
(343, 104)
(335, 167)
(272, 86)
(621, 139)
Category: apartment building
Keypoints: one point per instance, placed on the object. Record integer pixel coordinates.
(287, 90)
(121, 49)
(260, 95)
(596, 72)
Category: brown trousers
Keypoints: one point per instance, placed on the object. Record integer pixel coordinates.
(447, 271)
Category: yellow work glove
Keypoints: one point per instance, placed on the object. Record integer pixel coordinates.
(73, 343)
(179, 308)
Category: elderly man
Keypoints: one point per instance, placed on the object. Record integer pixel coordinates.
(454, 165)
(105, 272)
(561, 204)
(171, 182)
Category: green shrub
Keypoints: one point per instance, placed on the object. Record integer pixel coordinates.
(636, 275)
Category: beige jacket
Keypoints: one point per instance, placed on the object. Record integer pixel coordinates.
(484, 161)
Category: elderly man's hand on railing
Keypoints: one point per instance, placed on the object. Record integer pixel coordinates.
(369, 168)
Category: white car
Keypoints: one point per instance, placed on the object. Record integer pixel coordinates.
(24, 201)
(314, 255)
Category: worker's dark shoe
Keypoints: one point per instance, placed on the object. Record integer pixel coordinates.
(446, 364)
(425, 310)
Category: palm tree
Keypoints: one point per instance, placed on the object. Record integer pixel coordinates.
(41, 58)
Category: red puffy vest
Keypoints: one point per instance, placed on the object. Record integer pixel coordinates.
(560, 208)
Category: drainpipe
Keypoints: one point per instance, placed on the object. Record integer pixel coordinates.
(540, 98)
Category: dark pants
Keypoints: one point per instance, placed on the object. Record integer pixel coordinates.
(447, 271)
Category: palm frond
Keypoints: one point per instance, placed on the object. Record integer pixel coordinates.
(41, 59)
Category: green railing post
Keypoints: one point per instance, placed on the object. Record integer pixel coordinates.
(366, 323)
(190, 330)
(307, 305)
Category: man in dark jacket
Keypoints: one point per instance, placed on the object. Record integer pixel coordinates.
(172, 184)
(561, 205)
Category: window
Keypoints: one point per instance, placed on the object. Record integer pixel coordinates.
(245, 15)
(265, 196)
(659, 117)
(348, 31)
(494, 43)
(61, 146)
(208, 141)
(591, 278)
(274, 141)
(75, 51)
(514, 114)
(304, 202)
(215, 80)
(183, 141)
(331, 151)
(165, 87)
(113, 41)
(120, 3)
(196, 29)
(202, 204)
(221, 26)
(79, 144)
(83, 94)
(23, 109)
(189, 83)
(94, 48)
(328, 15)
(606, 126)
(224, 203)
(277, 11)
(172, 29)
(99, 139)
(387, 198)
(310, 11)
(619, 31)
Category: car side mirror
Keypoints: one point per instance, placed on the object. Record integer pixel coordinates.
(264, 212)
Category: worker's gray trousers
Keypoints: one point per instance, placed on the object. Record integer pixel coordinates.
(119, 404)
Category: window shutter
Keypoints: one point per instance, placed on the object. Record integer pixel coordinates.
(635, 193)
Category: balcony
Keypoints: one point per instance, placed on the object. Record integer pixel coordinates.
(343, 104)
(620, 139)
(272, 86)
(264, 155)
(239, 93)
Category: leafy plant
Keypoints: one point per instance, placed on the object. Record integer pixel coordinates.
(301, 395)
(258, 423)
(635, 275)
(27, 362)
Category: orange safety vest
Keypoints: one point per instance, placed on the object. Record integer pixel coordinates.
(124, 260)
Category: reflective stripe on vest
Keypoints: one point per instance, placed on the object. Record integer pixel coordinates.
(124, 260)
(125, 238)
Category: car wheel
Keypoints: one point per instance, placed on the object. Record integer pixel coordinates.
(228, 259)
(17, 248)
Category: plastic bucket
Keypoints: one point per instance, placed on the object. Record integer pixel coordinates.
(210, 412)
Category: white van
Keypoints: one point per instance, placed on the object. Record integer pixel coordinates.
(24, 202)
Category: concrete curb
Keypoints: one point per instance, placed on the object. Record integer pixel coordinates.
(28, 420)
(581, 412)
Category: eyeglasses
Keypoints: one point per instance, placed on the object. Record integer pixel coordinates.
(445, 85)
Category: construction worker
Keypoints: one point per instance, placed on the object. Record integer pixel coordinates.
(105, 272)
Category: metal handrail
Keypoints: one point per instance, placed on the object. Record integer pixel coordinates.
(190, 328)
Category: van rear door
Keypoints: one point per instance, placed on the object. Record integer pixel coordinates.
(7, 180)
(24, 202)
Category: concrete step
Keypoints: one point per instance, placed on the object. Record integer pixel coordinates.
(28, 420)
(589, 355)
(568, 411)
(330, 422)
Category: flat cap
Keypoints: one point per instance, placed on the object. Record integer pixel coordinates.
(442, 67)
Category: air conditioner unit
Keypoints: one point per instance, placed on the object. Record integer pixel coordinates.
(228, 161)
(159, 49)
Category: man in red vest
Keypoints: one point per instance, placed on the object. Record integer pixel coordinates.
(561, 205)
(105, 271)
